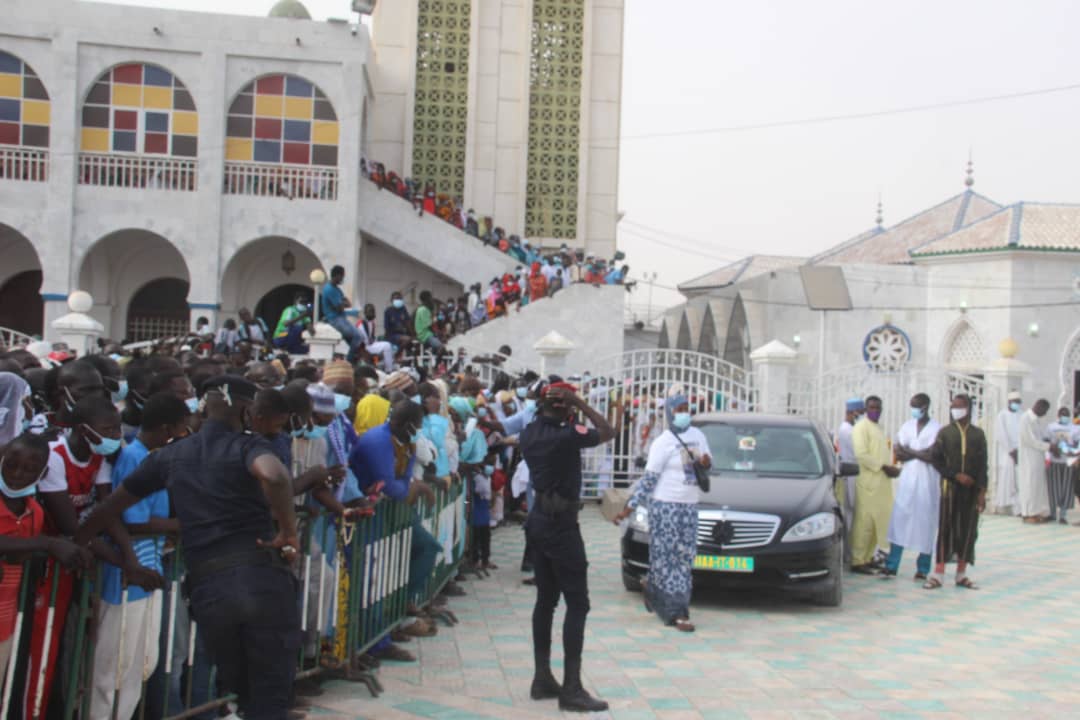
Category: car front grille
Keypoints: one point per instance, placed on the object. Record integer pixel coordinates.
(732, 530)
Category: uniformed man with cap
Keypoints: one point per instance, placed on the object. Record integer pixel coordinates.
(233, 498)
(551, 446)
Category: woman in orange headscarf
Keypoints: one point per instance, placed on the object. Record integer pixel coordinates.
(537, 283)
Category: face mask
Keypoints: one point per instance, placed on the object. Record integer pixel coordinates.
(1014, 407)
(341, 402)
(680, 420)
(522, 392)
(958, 413)
(873, 415)
(105, 447)
(416, 399)
(316, 432)
(301, 307)
(399, 303)
(26, 424)
(1063, 419)
(69, 404)
(279, 388)
(192, 405)
(530, 405)
(481, 412)
(116, 357)
(8, 492)
(121, 392)
(489, 469)
(917, 413)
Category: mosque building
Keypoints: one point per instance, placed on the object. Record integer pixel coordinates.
(179, 164)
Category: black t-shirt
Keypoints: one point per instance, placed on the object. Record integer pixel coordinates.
(219, 503)
(552, 450)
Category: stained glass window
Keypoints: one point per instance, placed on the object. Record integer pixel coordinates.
(24, 105)
(551, 203)
(442, 94)
(140, 108)
(282, 119)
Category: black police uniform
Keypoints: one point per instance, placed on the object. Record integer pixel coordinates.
(552, 450)
(242, 596)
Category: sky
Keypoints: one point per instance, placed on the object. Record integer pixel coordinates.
(698, 200)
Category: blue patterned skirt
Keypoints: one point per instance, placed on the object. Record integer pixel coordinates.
(672, 547)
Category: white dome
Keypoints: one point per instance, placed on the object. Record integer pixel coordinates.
(293, 9)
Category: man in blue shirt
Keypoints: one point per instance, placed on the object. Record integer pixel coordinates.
(130, 619)
(386, 455)
(334, 304)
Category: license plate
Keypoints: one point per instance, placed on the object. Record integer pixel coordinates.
(724, 563)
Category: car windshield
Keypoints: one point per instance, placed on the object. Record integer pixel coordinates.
(764, 450)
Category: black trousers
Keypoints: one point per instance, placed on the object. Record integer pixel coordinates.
(481, 543)
(558, 556)
(251, 623)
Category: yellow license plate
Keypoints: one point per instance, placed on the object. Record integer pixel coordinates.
(724, 563)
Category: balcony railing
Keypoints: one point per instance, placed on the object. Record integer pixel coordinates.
(287, 181)
(20, 163)
(137, 171)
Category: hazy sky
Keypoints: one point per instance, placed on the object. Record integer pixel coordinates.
(701, 64)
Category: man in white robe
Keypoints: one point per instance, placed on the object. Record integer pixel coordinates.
(1031, 469)
(914, 521)
(845, 450)
(1006, 450)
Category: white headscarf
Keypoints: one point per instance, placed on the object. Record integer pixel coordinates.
(13, 389)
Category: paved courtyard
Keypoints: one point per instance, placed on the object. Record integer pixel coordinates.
(893, 650)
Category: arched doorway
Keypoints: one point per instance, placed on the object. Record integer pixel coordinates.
(158, 310)
(259, 268)
(271, 305)
(737, 344)
(121, 270)
(964, 351)
(21, 307)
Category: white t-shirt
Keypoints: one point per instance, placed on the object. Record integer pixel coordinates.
(667, 458)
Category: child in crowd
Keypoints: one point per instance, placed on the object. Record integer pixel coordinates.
(481, 515)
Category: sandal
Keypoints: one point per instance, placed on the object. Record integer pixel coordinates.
(920, 576)
(932, 583)
(967, 583)
(684, 625)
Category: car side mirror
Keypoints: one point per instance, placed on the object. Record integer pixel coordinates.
(848, 469)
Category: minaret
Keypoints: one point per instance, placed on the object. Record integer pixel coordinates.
(879, 218)
(969, 180)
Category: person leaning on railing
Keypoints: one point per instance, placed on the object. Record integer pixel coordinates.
(229, 491)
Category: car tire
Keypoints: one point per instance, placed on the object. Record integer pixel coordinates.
(631, 582)
(833, 596)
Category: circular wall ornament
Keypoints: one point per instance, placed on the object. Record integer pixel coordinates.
(886, 348)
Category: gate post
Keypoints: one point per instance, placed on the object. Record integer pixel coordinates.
(772, 365)
(553, 349)
(77, 329)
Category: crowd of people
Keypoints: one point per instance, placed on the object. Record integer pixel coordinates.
(219, 453)
(941, 478)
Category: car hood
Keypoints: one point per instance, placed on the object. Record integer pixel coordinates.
(787, 497)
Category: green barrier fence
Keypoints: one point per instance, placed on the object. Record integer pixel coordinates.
(352, 581)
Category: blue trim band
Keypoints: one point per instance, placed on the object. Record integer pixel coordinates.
(204, 306)
(54, 297)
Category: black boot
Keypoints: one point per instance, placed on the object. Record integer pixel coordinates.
(573, 697)
(544, 684)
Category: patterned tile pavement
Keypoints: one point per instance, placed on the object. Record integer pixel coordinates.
(892, 651)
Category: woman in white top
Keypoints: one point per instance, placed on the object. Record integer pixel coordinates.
(670, 490)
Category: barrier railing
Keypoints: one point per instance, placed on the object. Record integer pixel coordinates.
(352, 582)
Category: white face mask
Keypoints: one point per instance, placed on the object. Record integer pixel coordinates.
(958, 413)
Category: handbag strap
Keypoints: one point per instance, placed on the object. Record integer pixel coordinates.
(685, 446)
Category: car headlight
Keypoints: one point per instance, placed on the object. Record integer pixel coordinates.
(639, 519)
(815, 527)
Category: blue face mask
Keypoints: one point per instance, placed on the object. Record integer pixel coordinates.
(399, 303)
(121, 392)
(341, 402)
(522, 392)
(481, 412)
(917, 413)
(1014, 406)
(316, 432)
(680, 420)
(489, 469)
(416, 399)
(8, 492)
(530, 405)
(192, 405)
(105, 446)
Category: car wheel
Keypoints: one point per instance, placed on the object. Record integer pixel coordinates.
(833, 596)
(631, 583)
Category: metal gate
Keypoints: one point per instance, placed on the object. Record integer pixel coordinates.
(633, 385)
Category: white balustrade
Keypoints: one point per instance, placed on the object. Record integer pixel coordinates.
(137, 171)
(21, 163)
(293, 182)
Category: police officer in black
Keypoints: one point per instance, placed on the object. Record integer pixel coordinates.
(551, 445)
(229, 491)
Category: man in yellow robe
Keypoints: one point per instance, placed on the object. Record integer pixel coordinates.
(873, 489)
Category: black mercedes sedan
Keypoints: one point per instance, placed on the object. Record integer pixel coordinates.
(771, 517)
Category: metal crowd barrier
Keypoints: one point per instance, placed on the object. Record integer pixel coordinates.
(352, 582)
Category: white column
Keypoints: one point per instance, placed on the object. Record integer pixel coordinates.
(553, 349)
(772, 374)
(77, 329)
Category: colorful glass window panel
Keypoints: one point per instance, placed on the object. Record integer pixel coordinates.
(24, 105)
(551, 200)
(441, 101)
(140, 108)
(282, 119)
